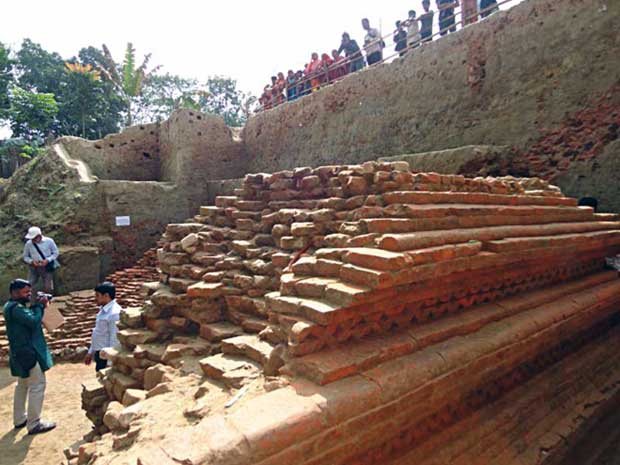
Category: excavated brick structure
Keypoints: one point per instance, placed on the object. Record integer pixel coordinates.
(395, 317)
(79, 308)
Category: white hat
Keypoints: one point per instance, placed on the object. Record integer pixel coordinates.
(33, 232)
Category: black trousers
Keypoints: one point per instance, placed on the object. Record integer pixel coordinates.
(100, 363)
(373, 58)
(446, 21)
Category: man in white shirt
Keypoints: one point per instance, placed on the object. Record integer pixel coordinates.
(413, 30)
(41, 255)
(373, 43)
(104, 333)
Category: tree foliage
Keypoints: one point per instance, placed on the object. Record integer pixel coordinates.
(32, 114)
(165, 93)
(91, 95)
(6, 66)
(222, 98)
(127, 78)
(87, 107)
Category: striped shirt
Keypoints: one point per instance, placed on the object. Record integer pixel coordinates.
(104, 334)
(48, 248)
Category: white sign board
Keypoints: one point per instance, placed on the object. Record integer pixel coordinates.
(123, 221)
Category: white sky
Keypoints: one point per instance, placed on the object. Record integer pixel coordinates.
(248, 40)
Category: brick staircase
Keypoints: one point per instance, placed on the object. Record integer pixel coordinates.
(342, 281)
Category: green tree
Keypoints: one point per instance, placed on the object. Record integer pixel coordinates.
(86, 107)
(32, 114)
(6, 77)
(224, 99)
(39, 70)
(163, 94)
(83, 80)
(128, 79)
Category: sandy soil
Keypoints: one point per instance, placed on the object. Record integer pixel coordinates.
(62, 405)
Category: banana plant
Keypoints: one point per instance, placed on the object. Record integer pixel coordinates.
(128, 79)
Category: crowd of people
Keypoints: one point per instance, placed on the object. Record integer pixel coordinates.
(410, 33)
(24, 316)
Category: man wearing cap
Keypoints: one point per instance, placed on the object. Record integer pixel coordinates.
(29, 357)
(41, 255)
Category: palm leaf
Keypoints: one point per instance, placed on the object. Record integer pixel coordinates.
(108, 67)
(130, 78)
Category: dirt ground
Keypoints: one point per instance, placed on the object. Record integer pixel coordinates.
(62, 405)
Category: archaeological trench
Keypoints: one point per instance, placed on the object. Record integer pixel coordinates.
(403, 277)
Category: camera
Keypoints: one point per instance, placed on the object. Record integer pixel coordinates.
(43, 295)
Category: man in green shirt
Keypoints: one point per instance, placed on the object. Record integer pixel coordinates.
(29, 356)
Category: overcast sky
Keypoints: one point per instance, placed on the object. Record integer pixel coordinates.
(248, 40)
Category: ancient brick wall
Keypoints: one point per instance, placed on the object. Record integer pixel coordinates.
(131, 155)
(507, 80)
(364, 311)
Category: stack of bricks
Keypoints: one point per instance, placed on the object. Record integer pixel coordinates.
(225, 277)
(322, 275)
(580, 137)
(70, 341)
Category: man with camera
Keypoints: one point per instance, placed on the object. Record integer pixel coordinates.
(29, 356)
(41, 255)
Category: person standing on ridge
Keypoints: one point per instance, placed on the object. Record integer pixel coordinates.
(372, 43)
(469, 12)
(41, 256)
(488, 7)
(413, 30)
(313, 71)
(291, 86)
(446, 15)
(29, 357)
(326, 62)
(339, 68)
(400, 39)
(352, 52)
(426, 22)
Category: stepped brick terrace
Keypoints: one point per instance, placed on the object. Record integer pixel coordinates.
(366, 314)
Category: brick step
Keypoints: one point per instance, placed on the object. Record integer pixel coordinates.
(401, 225)
(300, 331)
(314, 310)
(232, 370)
(301, 286)
(549, 410)
(133, 337)
(369, 263)
(376, 279)
(250, 346)
(215, 332)
(344, 301)
(530, 311)
(528, 243)
(471, 209)
(607, 216)
(411, 241)
(420, 197)
(57, 336)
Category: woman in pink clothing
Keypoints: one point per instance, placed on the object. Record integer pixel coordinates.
(313, 71)
(326, 62)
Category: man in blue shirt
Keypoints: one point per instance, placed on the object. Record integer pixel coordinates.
(446, 15)
(41, 255)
